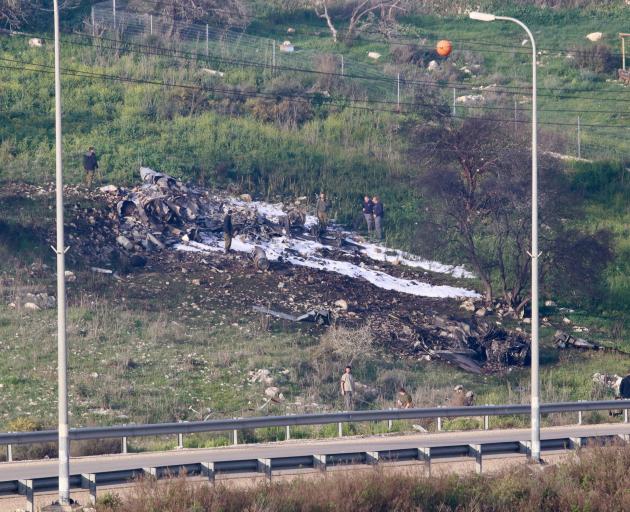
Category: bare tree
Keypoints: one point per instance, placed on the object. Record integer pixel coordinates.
(478, 183)
(356, 13)
(17, 13)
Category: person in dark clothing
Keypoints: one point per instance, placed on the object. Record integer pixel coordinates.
(379, 213)
(90, 165)
(228, 231)
(368, 213)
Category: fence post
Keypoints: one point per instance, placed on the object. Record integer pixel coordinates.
(454, 111)
(398, 90)
(93, 22)
(579, 137)
(151, 23)
(114, 13)
(342, 66)
(207, 40)
(273, 56)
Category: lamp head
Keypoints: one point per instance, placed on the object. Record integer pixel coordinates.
(481, 16)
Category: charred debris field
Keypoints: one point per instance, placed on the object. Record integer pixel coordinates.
(164, 326)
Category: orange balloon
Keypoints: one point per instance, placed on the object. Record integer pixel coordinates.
(444, 48)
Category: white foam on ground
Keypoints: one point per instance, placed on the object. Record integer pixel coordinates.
(305, 253)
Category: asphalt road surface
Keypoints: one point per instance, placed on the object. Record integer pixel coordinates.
(103, 463)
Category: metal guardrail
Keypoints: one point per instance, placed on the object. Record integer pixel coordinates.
(223, 425)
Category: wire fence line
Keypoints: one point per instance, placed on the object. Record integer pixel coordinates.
(228, 47)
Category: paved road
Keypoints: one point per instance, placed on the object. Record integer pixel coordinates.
(48, 468)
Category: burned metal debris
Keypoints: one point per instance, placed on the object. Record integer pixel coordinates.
(318, 316)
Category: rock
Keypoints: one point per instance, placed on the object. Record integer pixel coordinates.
(246, 197)
(481, 312)
(109, 189)
(374, 55)
(550, 304)
(468, 305)
(36, 42)
(196, 282)
(31, 306)
(594, 36)
(94, 375)
(70, 276)
(566, 320)
(272, 391)
(124, 242)
(290, 30)
(341, 304)
(433, 65)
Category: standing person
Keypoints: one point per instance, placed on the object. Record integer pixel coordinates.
(347, 388)
(379, 212)
(322, 212)
(368, 213)
(90, 164)
(404, 399)
(227, 231)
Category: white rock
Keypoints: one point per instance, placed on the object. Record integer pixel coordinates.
(341, 304)
(433, 65)
(36, 42)
(246, 197)
(109, 189)
(550, 304)
(374, 55)
(287, 47)
(32, 306)
(566, 320)
(594, 36)
(94, 375)
(481, 312)
(272, 391)
(70, 276)
(468, 305)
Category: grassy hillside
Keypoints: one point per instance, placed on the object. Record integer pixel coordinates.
(273, 147)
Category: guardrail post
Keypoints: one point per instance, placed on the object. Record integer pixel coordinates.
(486, 422)
(208, 470)
(475, 451)
(424, 454)
(264, 466)
(235, 437)
(439, 423)
(624, 437)
(340, 429)
(9, 453)
(150, 472)
(25, 488)
(124, 444)
(319, 462)
(288, 436)
(579, 417)
(180, 441)
(371, 458)
(575, 443)
(525, 448)
(88, 481)
(625, 415)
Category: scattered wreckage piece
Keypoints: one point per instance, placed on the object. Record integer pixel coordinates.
(261, 262)
(565, 340)
(316, 316)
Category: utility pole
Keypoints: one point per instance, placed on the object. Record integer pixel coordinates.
(62, 351)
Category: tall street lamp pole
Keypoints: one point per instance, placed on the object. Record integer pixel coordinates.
(62, 351)
(535, 385)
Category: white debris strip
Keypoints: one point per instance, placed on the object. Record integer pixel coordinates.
(307, 253)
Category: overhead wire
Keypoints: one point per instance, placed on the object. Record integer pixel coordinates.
(319, 99)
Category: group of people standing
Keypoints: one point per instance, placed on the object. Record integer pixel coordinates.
(373, 212)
